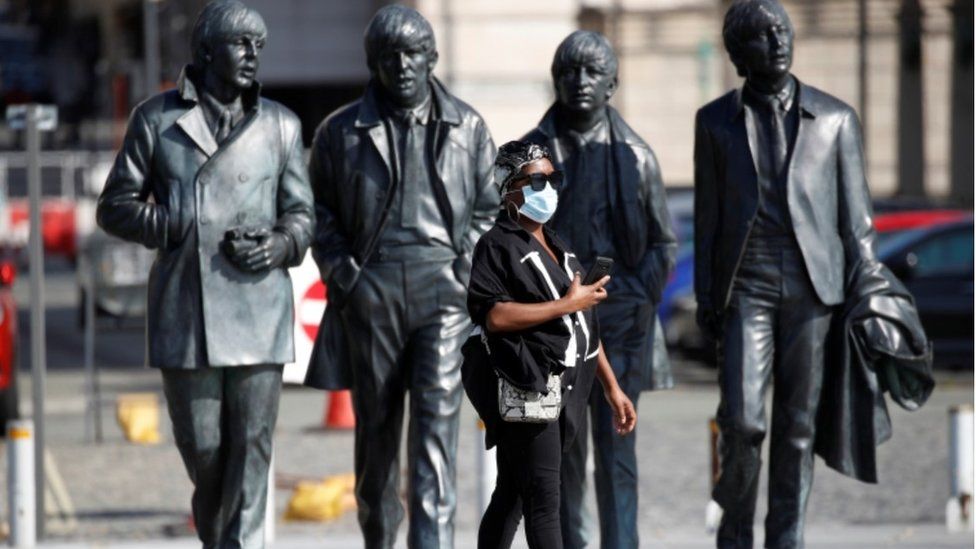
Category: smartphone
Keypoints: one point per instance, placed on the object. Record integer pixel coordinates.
(600, 269)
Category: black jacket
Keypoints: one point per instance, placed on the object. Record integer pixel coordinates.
(642, 225)
(351, 175)
(641, 228)
(510, 265)
(826, 192)
(878, 346)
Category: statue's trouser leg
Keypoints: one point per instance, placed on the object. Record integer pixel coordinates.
(223, 422)
(801, 341)
(774, 327)
(624, 333)
(574, 520)
(405, 325)
(439, 325)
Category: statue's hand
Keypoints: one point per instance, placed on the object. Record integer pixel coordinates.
(269, 254)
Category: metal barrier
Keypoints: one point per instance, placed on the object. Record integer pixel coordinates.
(74, 172)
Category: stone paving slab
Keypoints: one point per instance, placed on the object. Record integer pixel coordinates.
(124, 491)
(907, 536)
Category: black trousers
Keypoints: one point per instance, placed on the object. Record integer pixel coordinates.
(528, 457)
(775, 328)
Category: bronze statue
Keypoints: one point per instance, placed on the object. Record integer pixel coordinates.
(613, 205)
(782, 220)
(403, 190)
(212, 176)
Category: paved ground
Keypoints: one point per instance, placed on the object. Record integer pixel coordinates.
(819, 537)
(133, 496)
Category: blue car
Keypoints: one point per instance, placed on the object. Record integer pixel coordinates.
(936, 265)
(934, 262)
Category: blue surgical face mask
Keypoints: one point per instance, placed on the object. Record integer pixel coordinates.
(539, 206)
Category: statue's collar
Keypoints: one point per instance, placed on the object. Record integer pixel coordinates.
(190, 78)
(619, 130)
(801, 93)
(445, 108)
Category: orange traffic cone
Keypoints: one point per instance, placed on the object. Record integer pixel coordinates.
(339, 414)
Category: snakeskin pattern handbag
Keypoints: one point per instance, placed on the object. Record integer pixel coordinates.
(520, 406)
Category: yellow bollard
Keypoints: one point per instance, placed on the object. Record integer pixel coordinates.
(322, 501)
(138, 417)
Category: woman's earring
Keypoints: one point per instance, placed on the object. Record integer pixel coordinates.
(508, 209)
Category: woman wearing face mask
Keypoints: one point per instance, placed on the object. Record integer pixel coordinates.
(540, 329)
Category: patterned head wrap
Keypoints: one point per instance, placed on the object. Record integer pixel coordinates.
(512, 156)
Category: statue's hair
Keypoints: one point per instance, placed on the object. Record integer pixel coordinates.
(582, 46)
(219, 19)
(512, 157)
(397, 26)
(743, 19)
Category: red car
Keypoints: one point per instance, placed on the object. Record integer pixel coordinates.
(8, 343)
(57, 220)
(915, 219)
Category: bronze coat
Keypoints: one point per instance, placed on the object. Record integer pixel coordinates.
(174, 189)
(827, 194)
(879, 334)
(641, 225)
(351, 170)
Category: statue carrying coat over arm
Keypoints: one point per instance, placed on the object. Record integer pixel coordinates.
(784, 241)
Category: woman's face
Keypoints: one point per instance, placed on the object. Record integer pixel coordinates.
(542, 165)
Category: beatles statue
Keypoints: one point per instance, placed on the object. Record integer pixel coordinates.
(212, 176)
(403, 190)
(612, 205)
(782, 220)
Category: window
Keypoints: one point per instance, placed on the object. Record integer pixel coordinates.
(949, 253)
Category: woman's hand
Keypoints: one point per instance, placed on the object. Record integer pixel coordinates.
(624, 415)
(580, 297)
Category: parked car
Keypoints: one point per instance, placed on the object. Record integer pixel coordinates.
(120, 274)
(891, 224)
(936, 264)
(678, 306)
(8, 342)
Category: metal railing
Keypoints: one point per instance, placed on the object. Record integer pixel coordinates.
(64, 174)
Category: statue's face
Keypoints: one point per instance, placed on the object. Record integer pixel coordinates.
(234, 58)
(768, 53)
(403, 72)
(585, 86)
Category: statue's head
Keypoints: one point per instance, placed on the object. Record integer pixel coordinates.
(758, 36)
(584, 71)
(401, 54)
(227, 38)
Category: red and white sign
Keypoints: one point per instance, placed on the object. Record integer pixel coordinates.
(310, 301)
